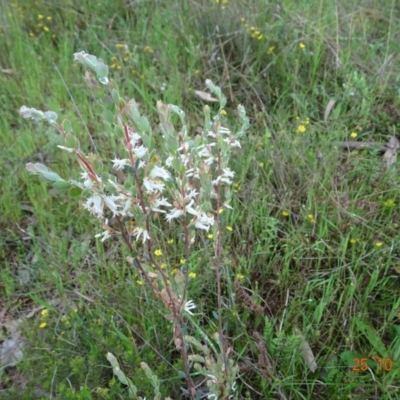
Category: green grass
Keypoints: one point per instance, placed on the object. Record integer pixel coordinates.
(315, 228)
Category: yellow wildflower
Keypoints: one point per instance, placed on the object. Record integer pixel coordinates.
(352, 241)
(210, 236)
(285, 213)
(192, 274)
(158, 253)
(301, 129)
(229, 228)
(223, 112)
(389, 203)
(239, 277)
(353, 135)
(378, 244)
(43, 325)
(271, 50)
(44, 312)
(302, 45)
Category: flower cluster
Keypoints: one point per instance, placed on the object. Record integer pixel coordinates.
(255, 33)
(302, 125)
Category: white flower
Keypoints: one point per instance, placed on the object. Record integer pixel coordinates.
(105, 234)
(110, 203)
(88, 183)
(135, 138)
(139, 152)
(160, 202)
(189, 305)
(139, 231)
(126, 207)
(175, 213)
(119, 164)
(227, 173)
(224, 131)
(204, 222)
(211, 133)
(152, 186)
(159, 172)
(95, 205)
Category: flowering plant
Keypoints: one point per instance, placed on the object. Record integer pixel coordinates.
(186, 180)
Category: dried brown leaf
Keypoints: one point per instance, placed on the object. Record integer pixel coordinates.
(306, 352)
(205, 96)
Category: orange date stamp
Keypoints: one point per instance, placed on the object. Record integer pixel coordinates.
(361, 364)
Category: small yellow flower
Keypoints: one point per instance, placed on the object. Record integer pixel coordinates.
(239, 277)
(210, 236)
(174, 271)
(139, 282)
(353, 135)
(302, 45)
(44, 312)
(229, 228)
(378, 244)
(242, 19)
(43, 325)
(182, 261)
(121, 46)
(40, 16)
(285, 213)
(197, 72)
(259, 37)
(192, 274)
(271, 50)
(45, 28)
(389, 203)
(163, 265)
(352, 241)
(301, 129)
(252, 28)
(220, 211)
(170, 241)
(261, 164)
(158, 253)
(223, 112)
(31, 34)
(49, 18)
(311, 218)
